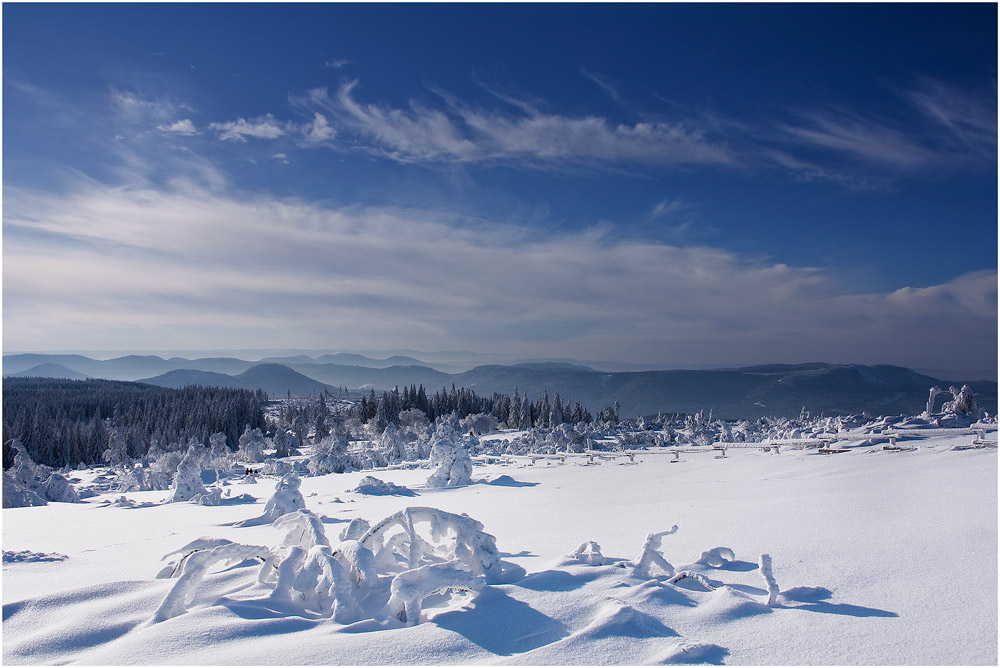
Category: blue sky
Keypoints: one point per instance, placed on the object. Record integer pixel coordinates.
(670, 184)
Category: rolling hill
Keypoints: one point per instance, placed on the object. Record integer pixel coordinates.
(739, 393)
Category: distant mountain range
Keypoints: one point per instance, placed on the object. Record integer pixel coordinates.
(747, 392)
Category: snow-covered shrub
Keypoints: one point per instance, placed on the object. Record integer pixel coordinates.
(251, 447)
(141, 479)
(650, 560)
(717, 557)
(187, 483)
(219, 456)
(390, 445)
(286, 444)
(398, 545)
(345, 581)
(286, 499)
(16, 495)
(963, 403)
(276, 467)
(454, 466)
(413, 425)
(375, 487)
(195, 561)
(25, 471)
(409, 589)
(589, 553)
(480, 423)
(447, 427)
(57, 488)
(330, 454)
(211, 497)
(355, 529)
(32, 484)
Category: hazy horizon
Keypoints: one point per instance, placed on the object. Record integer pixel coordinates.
(454, 359)
(650, 184)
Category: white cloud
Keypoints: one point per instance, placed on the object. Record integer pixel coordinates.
(318, 130)
(263, 127)
(187, 268)
(335, 63)
(182, 127)
(458, 133)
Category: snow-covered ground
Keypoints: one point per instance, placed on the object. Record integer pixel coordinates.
(878, 557)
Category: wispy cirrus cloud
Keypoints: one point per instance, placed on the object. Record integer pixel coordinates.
(456, 132)
(604, 84)
(387, 277)
(969, 119)
(951, 128)
(184, 126)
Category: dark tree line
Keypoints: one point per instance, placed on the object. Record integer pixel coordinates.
(67, 422)
(516, 412)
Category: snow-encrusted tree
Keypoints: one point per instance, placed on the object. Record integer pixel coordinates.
(390, 444)
(330, 454)
(285, 444)
(963, 403)
(187, 483)
(252, 444)
(286, 499)
(454, 466)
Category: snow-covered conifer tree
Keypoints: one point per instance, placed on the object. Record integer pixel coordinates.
(454, 466)
(187, 483)
(252, 445)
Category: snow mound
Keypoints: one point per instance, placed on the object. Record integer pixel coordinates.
(682, 653)
(618, 619)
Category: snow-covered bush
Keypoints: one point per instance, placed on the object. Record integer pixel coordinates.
(286, 499)
(454, 466)
(479, 423)
(251, 446)
(388, 571)
(286, 444)
(30, 484)
(413, 425)
(57, 488)
(16, 495)
(391, 445)
(330, 454)
(409, 589)
(187, 483)
(963, 403)
(141, 479)
(375, 487)
(650, 562)
(219, 455)
(589, 553)
(397, 545)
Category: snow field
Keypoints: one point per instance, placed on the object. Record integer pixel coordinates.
(879, 557)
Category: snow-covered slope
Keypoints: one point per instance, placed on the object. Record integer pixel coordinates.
(878, 557)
